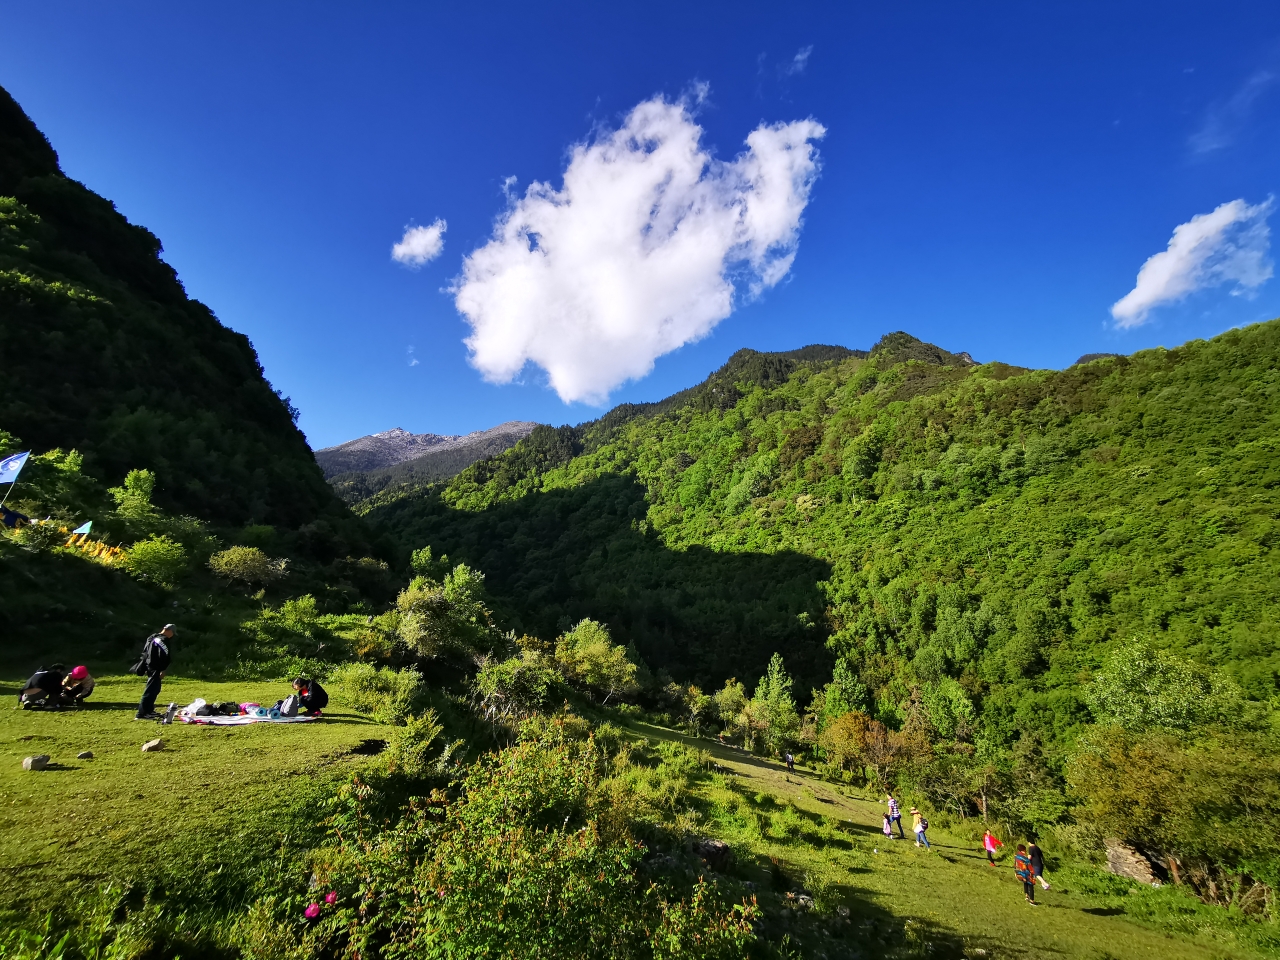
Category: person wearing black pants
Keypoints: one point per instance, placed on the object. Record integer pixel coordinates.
(153, 663)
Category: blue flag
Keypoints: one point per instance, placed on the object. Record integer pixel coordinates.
(86, 527)
(10, 467)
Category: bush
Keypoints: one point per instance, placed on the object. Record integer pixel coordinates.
(247, 564)
(158, 559)
(40, 536)
(588, 655)
(389, 696)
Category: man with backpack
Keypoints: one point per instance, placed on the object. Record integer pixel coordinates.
(152, 665)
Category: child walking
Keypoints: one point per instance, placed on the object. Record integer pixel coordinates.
(1022, 868)
(989, 844)
(887, 828)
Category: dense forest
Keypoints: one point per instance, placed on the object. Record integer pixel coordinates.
(979, 570)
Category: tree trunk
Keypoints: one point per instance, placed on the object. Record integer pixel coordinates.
(1173, 869)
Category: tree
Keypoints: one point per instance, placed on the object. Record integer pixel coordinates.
(133, 497)
(696, 705)
(446, 618)
(588, 655)
(773, 711)
(249, 565)
(157, 559)
(517, 686)
(728, 702)
(1142, 687)
(845, 739)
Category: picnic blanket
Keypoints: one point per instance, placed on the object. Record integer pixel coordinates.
(242, 720)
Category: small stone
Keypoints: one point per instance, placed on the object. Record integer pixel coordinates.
(153, 745)
(84, 755)
(38, 762)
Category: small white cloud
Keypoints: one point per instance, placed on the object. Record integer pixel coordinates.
(420, 245)
(797, 63)
(1224, 121)
(640, 251)
(1229, 245)
(413, 361)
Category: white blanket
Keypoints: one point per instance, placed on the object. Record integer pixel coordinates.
(240, 721)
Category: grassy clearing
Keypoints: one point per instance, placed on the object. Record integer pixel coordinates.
(218, 806)
(828, 839)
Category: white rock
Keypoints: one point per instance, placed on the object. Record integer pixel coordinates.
(38, 762)
(153, 745)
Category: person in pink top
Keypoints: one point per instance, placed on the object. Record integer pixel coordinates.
(989, 844)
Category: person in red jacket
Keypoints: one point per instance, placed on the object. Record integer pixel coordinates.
(990, 844)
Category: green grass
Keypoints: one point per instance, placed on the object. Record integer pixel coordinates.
(900, 896)
(218, 806)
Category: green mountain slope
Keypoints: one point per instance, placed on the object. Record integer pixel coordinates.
(982, 530)
(107, 354)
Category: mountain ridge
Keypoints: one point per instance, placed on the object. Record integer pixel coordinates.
(376, 451)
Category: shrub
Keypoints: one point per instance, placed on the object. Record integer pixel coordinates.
(389, 696)
(249, 565)
(158, 559)
(40, 536)
(517, 686)
(588, 655)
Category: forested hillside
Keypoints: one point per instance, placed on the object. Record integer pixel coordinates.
(984, 528)
(106, 354)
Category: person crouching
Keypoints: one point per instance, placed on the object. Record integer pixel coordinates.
(311, 696)
(44, 689)
(77, 686)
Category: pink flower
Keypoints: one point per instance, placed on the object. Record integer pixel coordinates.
(331, 897)
(312, 911)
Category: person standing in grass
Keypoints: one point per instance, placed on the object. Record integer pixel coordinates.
(887, 828)
(919, 824)
(1036, 856)
(895, 815)
(989, 844)
(152, 665)
(1022, 868)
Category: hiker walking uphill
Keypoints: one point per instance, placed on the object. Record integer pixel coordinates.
(895, 815)
(989, 844)
(1036, 856)
(152, 665)
(1022, 868)
(919, 824)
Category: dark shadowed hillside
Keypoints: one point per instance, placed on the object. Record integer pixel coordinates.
(107, 354)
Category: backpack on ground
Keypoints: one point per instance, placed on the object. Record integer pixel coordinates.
(289, 706)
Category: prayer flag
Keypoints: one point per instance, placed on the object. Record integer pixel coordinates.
(86, 527)
(10, 467)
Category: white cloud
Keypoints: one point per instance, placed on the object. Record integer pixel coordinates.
(420, 245)
(640, 251)
(1224, 122)
(797, 63)
(1228, 245)
(413, 361)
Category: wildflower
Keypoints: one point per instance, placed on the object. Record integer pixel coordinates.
(331, 897)
(312, 911)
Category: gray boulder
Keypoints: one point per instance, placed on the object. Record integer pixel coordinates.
(151, 746)
(1126, 861)
(84, 755)
(38, 762)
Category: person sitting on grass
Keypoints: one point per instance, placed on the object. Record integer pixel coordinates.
(311, 696)
(1022, 868)
(77, 686)
(44, 689)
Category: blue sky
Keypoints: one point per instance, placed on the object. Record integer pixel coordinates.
(991, 178)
